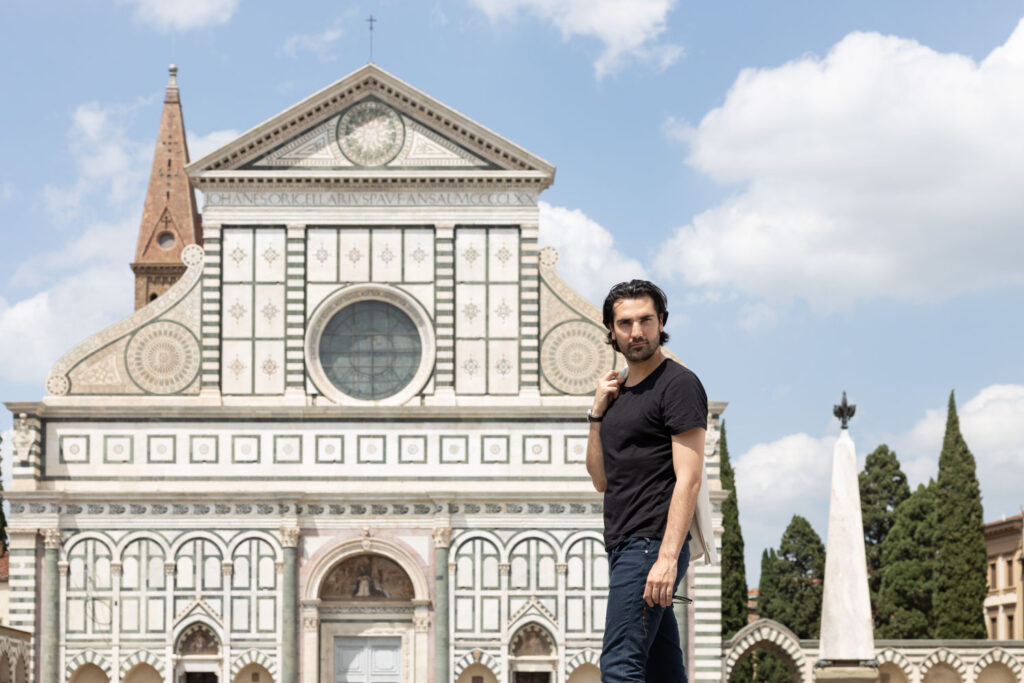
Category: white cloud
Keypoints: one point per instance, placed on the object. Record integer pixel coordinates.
(627, 30)
(320, 44)
(587, 257)
(885, 169)
(8, 191)
(182, 15)
(201, 145)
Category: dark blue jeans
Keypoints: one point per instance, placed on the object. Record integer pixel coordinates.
(640, 643)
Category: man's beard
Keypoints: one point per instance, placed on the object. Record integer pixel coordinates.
(640, 354)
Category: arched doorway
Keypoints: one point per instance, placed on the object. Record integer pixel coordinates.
(254, 673)
(997, 672)
(353, 648)
(586, 673)
(942, 673)
(532, 655)
(19, 670)
(88, 673)
(5, 668)
(197, 655)
(890, 672)
(143, 673)
(477, 673)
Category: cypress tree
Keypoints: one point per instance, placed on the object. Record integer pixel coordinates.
(799, 579)
(734, 579)
(763, 665)
(908, 561)
(883, 486)
(959, 597)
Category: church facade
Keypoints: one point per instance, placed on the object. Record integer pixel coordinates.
(342, 437)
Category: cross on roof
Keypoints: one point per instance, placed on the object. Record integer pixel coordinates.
(371, 21)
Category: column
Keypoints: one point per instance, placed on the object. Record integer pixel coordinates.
(115, 615)
(50, 608)
(289, 603)
(442, 656)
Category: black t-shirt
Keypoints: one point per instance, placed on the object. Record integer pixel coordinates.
(636, 436)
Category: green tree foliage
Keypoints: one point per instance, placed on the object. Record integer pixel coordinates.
(763, 665)
(883, 486)
(799, 578)
(734, 580)
(3, 517)
(908, 562)
(958, 601)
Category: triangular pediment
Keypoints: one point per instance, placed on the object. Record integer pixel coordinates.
(368, 123)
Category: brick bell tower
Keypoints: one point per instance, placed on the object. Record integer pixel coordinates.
(170, 219)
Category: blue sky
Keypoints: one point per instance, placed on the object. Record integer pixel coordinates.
(829, 192)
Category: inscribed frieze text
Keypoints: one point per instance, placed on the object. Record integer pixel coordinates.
(369, 199)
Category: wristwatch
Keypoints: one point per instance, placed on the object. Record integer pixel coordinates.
(593, 418)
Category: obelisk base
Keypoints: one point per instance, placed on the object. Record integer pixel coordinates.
(846, 672)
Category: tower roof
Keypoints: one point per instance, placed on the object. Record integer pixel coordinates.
(170, 219)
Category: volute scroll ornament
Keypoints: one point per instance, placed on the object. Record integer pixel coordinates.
(51, 538)
(442, 537)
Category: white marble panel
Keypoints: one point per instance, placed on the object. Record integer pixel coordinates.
(387, 255)
(470, 255)
(490, 608)
(269, 313)
(237, 259)
(160, 449)
(503, 310)
(419, 255)
(454, 449)
(329, 449)
(236, 367)
(129, 614)
(536, 449)
(494, 449)
(269, 367)
(245, 449)
(270, 255)
(266, 620)
(288, 448)
(464, 614)
(156, 615)
(240, 614)
(322, 255)
(574, 613)
(470, 366)
(412, 449)
(372, 449)
(76, 615)
(503, 367)
(315, 294)
(117, 449)
(471, 311)
(74, 449)
(236, 311)
(598, 613)
(201, 449)
(503, 255)
(575, 449)
(353, 255)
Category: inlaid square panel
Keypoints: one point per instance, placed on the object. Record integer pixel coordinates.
(454, 449)
(287, 448)
(270, 255)
(330, 449)
(74, 449)
(268, 313)
(236, 311)
(245, 448)
(240, 614)
(503, 367)
(371, 449)
(470, 255)
(503, 255)
(237, 255)
(353, 255)
(503, 311)
(490, 609)
(236, 367)
(387, 255)
(536, 449)
(470, 366)
(322, 255)
(269, 370)
(202, 449)
(118, 449)
(412, 449)
(494, 449)
(419, 255)
(575, 449)
(471, 311)
(464, 614)
(160, 449)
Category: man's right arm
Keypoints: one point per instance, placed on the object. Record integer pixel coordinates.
(607, 391)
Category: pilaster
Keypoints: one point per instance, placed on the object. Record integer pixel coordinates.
(295, 312)
(444, 307)
(529, 306)
(211, 311)
(50, 609)
(442, 634)
(289, 604)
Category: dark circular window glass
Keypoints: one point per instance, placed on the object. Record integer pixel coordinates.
(370, 350)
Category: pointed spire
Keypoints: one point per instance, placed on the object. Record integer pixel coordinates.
(170, 219)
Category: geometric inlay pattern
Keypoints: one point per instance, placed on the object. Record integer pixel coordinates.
(574, 355)
(370, 133)
(163, 358)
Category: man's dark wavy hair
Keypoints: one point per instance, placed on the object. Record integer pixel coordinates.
(634, 289)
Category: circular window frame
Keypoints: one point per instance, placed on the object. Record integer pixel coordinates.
(370, 292)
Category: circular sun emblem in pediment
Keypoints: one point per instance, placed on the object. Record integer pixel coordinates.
(574, 355)
(370, 133)
(163, 358)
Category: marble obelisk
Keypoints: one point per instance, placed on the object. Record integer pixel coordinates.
(847, 642)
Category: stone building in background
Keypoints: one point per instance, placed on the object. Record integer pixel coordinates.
(1004, 605)
(344, 439)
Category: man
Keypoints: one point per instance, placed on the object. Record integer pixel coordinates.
(646, 453)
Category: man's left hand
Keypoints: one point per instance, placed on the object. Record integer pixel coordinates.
(660, 582)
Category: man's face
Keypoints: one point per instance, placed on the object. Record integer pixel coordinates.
(636, 328)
